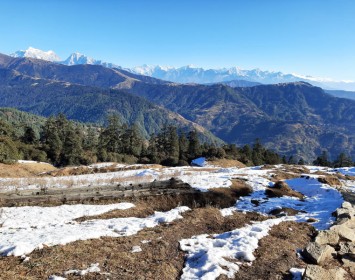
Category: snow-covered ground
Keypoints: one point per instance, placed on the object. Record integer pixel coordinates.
(25, 229)
(319, 203)
(207, 256)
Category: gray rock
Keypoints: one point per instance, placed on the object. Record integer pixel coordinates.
(327, 237)
(347, 205)
(349, 263)
(344, 231)
(347, 248)
(344, 213)
(318, 254)
(315, 272)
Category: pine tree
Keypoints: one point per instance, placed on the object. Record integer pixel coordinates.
(343, 161)
(72, 149)
(183, 146)
(29, 137)
(194, 150)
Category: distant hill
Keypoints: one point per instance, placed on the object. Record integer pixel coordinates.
(292, 118)
(239, 83)
(342, 93)
(87, 104)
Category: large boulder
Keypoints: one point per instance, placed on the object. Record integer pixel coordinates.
(344, 231)
(315, 272)
(325, 237)
(318, 254)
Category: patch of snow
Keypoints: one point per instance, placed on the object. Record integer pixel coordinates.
(145, 241)
(147, 172)
(60, 230)
(209, 257)
(31, 161)
(104, 164)
(346, 171)
(36, 216)
(297, 273)
(136, 249)
(319, 203)
(55, 277)
(93, 268)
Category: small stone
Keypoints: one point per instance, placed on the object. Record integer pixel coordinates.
(327, 237)
(315, 272)
(318, 254)
(311, 220)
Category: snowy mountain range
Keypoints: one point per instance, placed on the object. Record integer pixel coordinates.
(192, 74)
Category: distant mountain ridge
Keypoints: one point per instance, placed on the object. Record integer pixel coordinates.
(192, 74)
(291, 118)
(45, 89)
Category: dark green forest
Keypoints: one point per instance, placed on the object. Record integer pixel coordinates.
(62, 142)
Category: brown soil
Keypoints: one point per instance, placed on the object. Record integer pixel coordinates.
(18, 170)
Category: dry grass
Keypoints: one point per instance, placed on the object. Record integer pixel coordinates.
(83, 170)
(277, 252)
(225, 163)
(18, 170)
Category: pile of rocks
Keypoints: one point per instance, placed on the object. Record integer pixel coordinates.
(332, 253)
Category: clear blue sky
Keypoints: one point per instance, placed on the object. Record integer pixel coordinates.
(315, 37)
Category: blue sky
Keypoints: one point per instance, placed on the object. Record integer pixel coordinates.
(315, 37)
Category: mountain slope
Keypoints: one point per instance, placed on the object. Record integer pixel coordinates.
(293, 118)
(86, 74)
(342, 94)
(87, 104)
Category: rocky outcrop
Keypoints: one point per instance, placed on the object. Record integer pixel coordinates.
(316, 272)
(336, 243)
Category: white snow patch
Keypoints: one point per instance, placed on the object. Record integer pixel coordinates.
(37, 217)
(320, 201)
(136, 249)
(93, 268)
(346, 170)
(55, 277)
(297, 273)
(49, 227)
(209, 257)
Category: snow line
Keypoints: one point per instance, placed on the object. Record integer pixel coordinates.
(209, 257)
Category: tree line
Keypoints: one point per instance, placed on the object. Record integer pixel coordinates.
(63, 142)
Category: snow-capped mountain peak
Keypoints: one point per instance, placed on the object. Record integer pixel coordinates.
(78, 58)
(38, 54)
